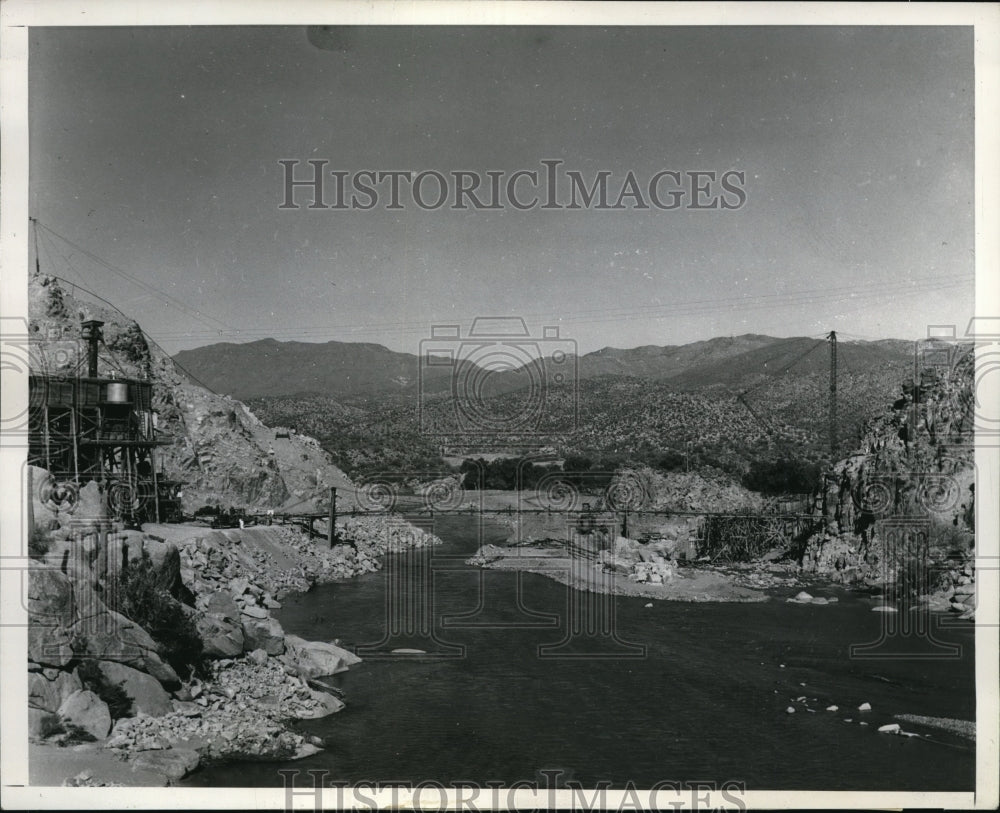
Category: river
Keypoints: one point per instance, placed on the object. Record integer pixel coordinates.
(684, 692)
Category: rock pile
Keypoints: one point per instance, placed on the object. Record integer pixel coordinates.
(643, 564)
(238, 711)
(260, 565)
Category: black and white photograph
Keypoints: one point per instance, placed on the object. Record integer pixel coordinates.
(494, 405)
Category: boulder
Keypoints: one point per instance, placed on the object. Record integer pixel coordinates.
(263, 633)
(90, 507)
(49, 694)
(148, 696)
(239, 586)
(51, 613)
(221, 603)
(87, 711)
(325, 704)
(311, 659)
(221, 637)
(165, 558)
(174, 763)
(258, 656)
(67, 618)
(255, 612)
(109, 636)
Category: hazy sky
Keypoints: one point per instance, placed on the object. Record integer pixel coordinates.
(157, 151)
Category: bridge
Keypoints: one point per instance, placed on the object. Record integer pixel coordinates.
(773, 524)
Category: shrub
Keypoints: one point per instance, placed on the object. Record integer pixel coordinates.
(782, 476)
(140, 595)
(76, 735)
(672, 460)
(51, 725)
(950, 540)
(117, 700)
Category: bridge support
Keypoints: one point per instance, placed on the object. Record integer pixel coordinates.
(331, 518)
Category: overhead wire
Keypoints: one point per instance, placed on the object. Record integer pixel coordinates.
(591, 316)
(696, 307)
(163, 296)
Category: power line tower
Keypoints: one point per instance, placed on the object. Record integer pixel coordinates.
(833, 392)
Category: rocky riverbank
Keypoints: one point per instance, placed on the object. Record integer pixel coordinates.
(629, 568)
(653, 569)
(100, 680)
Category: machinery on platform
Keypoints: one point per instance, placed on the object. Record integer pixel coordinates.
(88, 428)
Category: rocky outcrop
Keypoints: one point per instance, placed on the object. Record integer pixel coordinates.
(909, 492)
(312, 659)
(48, 689)
(146, 693)
(89, 663)
(220, 450)
(173, 763)
(257, 678)
(88, 712)
(263, 633)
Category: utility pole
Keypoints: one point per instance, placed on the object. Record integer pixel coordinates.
(331, 518)
(833, 393)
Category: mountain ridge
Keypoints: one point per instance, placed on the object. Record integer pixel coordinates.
(351, 371)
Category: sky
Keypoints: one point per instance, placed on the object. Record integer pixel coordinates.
(155, 152)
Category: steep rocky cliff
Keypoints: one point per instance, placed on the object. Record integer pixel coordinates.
(220, 450)
(908, 494)
(159, 645)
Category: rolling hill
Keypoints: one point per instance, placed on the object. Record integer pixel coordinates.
(344, 370)
(724, 402)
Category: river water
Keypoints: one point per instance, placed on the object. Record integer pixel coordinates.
(680, 692)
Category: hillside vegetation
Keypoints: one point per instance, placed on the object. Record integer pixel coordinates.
(753, 406)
